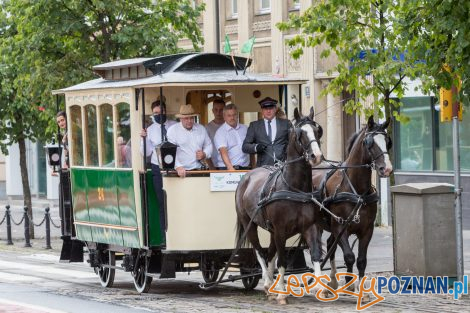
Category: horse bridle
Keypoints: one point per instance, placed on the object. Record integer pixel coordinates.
(369, 141)
(298, 131)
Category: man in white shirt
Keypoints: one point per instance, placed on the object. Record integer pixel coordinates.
(217, 109)
(153, 137)
(229, 139)
(194, 144)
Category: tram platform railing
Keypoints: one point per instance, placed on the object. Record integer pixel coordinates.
(26, 220)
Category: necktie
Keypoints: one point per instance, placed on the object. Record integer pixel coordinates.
(270, 132)
(164, 132)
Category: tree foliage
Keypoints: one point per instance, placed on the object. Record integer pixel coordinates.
(373, 57)
(49, 44)
(438, 31)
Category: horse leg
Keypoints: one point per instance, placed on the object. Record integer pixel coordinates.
(362, 258)
(334, 282)
(313, 237)
(348, 254)
(280, 242)
(271, 259)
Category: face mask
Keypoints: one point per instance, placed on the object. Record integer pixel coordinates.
(159, 118)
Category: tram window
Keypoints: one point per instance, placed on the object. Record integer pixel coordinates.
(107, 142)
(76, 140)
(124, 135)
(91, 134)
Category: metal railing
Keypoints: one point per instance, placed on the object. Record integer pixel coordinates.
(47, 220)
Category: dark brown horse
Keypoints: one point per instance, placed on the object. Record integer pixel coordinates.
(260, 201)
(343, 188)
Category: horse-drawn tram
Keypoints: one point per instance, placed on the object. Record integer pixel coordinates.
(108, 203)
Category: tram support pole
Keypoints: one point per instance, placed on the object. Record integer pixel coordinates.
(458, 198)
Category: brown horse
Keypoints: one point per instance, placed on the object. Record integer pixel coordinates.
(260, 201)
(343, 188)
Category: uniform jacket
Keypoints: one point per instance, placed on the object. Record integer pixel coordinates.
(257, 135)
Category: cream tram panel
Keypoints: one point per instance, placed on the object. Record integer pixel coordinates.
(200, 219)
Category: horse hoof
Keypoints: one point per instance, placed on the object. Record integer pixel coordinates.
(366, 298)
(271, 297)
(282, 301)
(325, 294)
(351, 288)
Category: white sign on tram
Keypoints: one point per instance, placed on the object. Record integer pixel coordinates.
(225, 181)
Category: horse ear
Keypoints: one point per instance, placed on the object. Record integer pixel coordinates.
(385, 125)
(296, 114)
(370, 122)
(312, 113)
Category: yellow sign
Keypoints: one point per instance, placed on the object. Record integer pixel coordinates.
(446, 101)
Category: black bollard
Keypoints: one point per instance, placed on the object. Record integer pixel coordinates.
(8, 217)
(48, 229)
(27, 244)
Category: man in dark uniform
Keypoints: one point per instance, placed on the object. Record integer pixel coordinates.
(267, 137)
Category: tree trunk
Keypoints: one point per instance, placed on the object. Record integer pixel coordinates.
(25, 182)
(388, 114)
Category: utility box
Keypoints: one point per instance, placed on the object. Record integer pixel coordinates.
(424, 239)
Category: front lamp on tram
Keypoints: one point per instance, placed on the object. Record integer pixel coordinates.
(53, 156)
(166, 155)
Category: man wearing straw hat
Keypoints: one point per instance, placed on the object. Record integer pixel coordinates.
(194, 144)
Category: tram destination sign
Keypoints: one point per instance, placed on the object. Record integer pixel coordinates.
(225, 181)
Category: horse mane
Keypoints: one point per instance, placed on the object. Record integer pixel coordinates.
(352, 140)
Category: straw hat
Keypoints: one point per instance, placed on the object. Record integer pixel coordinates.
(186, 110)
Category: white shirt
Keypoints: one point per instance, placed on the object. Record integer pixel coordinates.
(154, 138)
(273, 128)
(188, 142)
(232, 139)
(212, 128)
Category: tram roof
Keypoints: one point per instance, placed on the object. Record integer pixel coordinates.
(182, 69)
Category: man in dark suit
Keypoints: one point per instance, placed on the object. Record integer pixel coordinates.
(267, 137)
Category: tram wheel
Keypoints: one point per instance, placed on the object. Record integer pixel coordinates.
(142, 282)
(251, 282)
(106, 274)
(210, 273)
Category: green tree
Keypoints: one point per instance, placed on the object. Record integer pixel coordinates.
(373, 58)
(50, 44)
(438, 31)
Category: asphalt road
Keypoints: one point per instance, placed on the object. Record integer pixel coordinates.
(32, 280)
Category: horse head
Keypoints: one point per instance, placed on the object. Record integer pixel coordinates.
(307, 136)
(378, 143)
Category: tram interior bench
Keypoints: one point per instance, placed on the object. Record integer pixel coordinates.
(424, 239)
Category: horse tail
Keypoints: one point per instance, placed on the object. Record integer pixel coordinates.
(240, 240)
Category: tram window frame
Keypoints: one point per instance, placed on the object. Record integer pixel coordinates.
(102, 140)
(88, 143)
(119, 133)
(76, 145)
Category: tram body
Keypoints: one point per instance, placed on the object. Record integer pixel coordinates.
(113, 208)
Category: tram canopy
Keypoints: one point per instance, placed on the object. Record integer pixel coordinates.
(176, 70)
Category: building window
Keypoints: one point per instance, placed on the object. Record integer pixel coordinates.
(297, 4)
(265, 6)
(424, 143)
(234, 8)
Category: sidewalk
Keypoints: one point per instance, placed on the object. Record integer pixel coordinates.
(17, 211)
